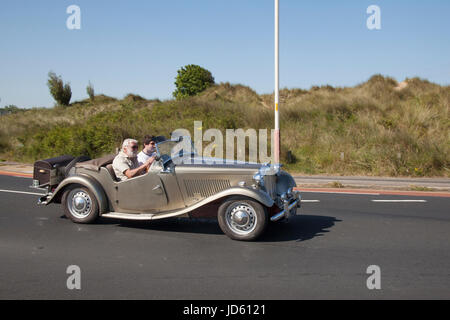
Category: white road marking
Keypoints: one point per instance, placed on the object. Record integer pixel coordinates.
(399, 200)
(337, 192)
(304, 201)
(23, 192)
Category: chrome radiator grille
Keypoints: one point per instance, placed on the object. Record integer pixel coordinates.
(270, 184)
(205, 188)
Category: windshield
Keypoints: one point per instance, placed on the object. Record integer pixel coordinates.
(174, 149)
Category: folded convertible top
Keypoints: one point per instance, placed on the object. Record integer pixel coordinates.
(95, 164)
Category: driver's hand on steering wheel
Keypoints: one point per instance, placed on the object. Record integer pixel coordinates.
(149, 162)
(153, 158)
(145, 167)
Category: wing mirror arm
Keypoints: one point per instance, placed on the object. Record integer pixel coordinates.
(168, 169)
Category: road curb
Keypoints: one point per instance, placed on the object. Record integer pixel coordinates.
(16, 174)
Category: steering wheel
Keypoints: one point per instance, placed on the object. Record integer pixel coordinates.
(165, 158)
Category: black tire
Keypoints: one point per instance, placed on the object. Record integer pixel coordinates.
(87, 210)
(251, 222)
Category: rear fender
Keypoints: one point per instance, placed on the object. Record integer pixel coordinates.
(85, 181)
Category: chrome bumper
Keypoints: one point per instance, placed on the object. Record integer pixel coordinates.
(289, 208)
(43, 200)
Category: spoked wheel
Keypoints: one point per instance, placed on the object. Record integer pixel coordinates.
(242, 218)
(80, 205)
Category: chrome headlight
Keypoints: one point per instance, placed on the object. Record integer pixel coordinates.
(289, 192)
(268, 170)
(258, 179)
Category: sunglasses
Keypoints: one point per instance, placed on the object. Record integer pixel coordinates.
(134, 147)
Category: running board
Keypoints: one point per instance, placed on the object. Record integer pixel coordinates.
(128, 216)
(143, 216)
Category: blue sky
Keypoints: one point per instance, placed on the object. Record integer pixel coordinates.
(137, 46)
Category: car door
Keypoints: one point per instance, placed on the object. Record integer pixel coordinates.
(144, 193)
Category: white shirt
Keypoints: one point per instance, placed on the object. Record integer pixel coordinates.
(142, 157)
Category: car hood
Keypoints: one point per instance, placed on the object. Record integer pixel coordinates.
(209, 162)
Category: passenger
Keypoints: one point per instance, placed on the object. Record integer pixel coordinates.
(148, 151)
(126, 165)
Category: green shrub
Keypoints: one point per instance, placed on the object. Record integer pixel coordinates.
(90, 91)
(10, 109)
(191, 80)
(4, 143)
(60, 92)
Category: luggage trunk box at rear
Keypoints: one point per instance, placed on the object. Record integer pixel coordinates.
(50, 172)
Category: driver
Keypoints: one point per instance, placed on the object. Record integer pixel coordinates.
(126, 165)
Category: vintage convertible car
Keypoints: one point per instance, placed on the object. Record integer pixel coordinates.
(243, 197)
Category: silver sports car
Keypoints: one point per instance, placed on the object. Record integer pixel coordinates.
(243, 196)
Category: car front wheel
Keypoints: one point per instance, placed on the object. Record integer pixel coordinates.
(80, 205)
(242, 218)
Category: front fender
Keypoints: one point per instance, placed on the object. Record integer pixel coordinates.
(257, 195)
(284, 182)
(85, 181)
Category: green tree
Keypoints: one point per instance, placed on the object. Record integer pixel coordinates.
(10, 109)
(90, 91)
(60, 92)
(191, 80)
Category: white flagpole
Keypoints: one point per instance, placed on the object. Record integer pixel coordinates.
(277, 120)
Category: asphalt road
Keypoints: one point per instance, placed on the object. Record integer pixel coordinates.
(323, 253)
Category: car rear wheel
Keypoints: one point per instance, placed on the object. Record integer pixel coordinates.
(242, 218)
(80, 205)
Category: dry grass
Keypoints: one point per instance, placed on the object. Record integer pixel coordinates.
(375, 128)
